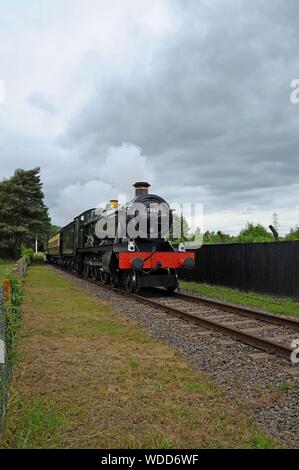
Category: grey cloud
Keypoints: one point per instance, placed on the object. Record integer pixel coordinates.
(214, 110)
(41, 101)
(210, 108)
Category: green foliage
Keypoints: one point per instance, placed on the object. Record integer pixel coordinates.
(37, 258)
(17, 291)
(293, 234)
(27, 254)
(134, 363)
(254, 233)
(180, 226)
(269, 303)
(54, 229)
(213, 237)
(31, 257)
(13, 312)
(251, 233)
(23, 214)
(5, 268)
(261, 442)
(210, 237)
(11, 315)
(283, 386)
(41, 420)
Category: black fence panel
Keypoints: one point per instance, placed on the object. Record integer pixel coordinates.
(271, 268)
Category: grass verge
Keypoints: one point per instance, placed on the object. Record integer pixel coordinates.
(88, 377)
(279, 305)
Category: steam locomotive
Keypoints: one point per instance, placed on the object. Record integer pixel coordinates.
(124, 245)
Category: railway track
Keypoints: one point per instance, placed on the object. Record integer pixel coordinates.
(261, 330)
(255, 328)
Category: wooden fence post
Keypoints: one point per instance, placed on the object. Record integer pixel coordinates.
(7, 290)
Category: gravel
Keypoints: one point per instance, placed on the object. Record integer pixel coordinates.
(260, 384)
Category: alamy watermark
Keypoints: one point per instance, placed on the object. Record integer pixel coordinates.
(2, 351)
(152, 220)
(294, 97)
(2, 91)
(295, 353)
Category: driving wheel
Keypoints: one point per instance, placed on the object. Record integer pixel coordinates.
(114, 280)
(103, 277)
(94, 272)
(130, 281)
(86, 271)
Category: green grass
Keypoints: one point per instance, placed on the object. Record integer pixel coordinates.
(88, 377)
(5, 268)
(261, 442)
(278, 305)
(204, 389)
(283, 386)
(134, 363)
(41, 422)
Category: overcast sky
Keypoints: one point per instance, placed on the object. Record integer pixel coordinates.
(191, 95)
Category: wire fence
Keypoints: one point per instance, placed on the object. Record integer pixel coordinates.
(10, 304)
(5, 364)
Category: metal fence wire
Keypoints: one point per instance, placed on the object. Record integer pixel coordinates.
(5, 367)
(6, 344)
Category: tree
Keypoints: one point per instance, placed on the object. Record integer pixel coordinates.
(23, 214)
(210, 237)
(254, 233)
(198, 235)
(53, 229)
(214, 237)
(180, 227)
(293, 234)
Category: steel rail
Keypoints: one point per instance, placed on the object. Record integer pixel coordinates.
(252, 340)
(241, 310)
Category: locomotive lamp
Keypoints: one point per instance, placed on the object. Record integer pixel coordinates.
(131, 245)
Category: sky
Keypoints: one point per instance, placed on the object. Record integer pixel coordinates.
(190, 95)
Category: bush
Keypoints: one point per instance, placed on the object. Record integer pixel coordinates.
(254, 233)
(213, 238)
(37, 258)
(27, 254)
(293, 234)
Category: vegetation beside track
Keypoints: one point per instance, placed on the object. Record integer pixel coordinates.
(88, 377)
(10, 319)
(5, 268)
(279, 305)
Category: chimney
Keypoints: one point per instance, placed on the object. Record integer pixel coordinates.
(141, 188)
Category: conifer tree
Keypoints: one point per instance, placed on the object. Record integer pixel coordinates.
(23, 214)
